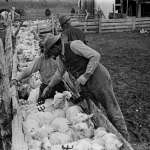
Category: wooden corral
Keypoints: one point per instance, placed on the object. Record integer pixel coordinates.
(18, 137)
(106, 25)
(114, 25)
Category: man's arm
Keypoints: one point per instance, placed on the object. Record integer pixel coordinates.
(34, 67)
(79, 48)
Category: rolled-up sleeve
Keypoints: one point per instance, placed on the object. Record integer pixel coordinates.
(34, 67)
(79, 48)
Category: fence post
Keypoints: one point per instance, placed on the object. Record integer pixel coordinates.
(5, 112)
(85, 26)
(100, 24)
(133, 23)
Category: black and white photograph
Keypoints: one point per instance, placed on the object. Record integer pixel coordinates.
(74, 74)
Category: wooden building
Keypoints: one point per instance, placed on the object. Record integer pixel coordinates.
(138, 8)
(87, 5)
(92, 5)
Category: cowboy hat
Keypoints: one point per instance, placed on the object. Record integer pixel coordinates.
(50, 40)
(63, 20)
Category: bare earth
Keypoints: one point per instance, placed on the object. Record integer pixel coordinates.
(127, 57)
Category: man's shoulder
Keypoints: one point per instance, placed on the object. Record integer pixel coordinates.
(75, 43)
(71, 28)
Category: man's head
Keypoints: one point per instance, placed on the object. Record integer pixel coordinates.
(52, 46)
(64, 20)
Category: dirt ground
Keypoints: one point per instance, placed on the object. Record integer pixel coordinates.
(127, 57)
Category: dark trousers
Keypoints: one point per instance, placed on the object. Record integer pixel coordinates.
(60, 87)
(100, 86)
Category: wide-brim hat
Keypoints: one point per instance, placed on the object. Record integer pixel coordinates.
(64, 19)
(50, 40)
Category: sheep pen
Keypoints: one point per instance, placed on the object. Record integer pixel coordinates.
(26, 51)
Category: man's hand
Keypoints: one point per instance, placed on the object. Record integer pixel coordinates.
(81, 80)
(46, 91)
(14, 82)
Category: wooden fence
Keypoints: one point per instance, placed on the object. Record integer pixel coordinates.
(6, 53)
(95, 25)
(113, 25)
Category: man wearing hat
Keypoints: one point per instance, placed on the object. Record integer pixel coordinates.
(46, 66)
(83, 66)
(71, 32)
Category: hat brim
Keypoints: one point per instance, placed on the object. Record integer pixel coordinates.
(56, 38)
(66, 21)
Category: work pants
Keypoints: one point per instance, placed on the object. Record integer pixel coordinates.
(100, 87)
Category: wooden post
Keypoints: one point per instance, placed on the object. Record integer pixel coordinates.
(5, 113)
(100, 24)
(6, 73)
(85, 26)
(133, 23)
(121, 1)
(139, 11)
(18, 139)
(127, 7)
(8, 51)
(53, 25)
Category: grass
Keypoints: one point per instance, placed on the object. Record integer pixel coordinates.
(127, 57)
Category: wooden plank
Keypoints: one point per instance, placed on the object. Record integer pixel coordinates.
(116, 24)
(143, 22)
(92, 27)
(90, 32)
(106, 27)
(116, 27)
(88, 28)
(143, 25)
(9, 50)
(92, 20)
(83, 23)
(116, 30)
(13, 88)
(117, 20)
(18, 140)
(142, 19)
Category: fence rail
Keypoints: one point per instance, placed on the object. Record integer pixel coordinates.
(114, 25)
(96, 25)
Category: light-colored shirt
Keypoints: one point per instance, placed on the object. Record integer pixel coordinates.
(79, 48)
(46, 68)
